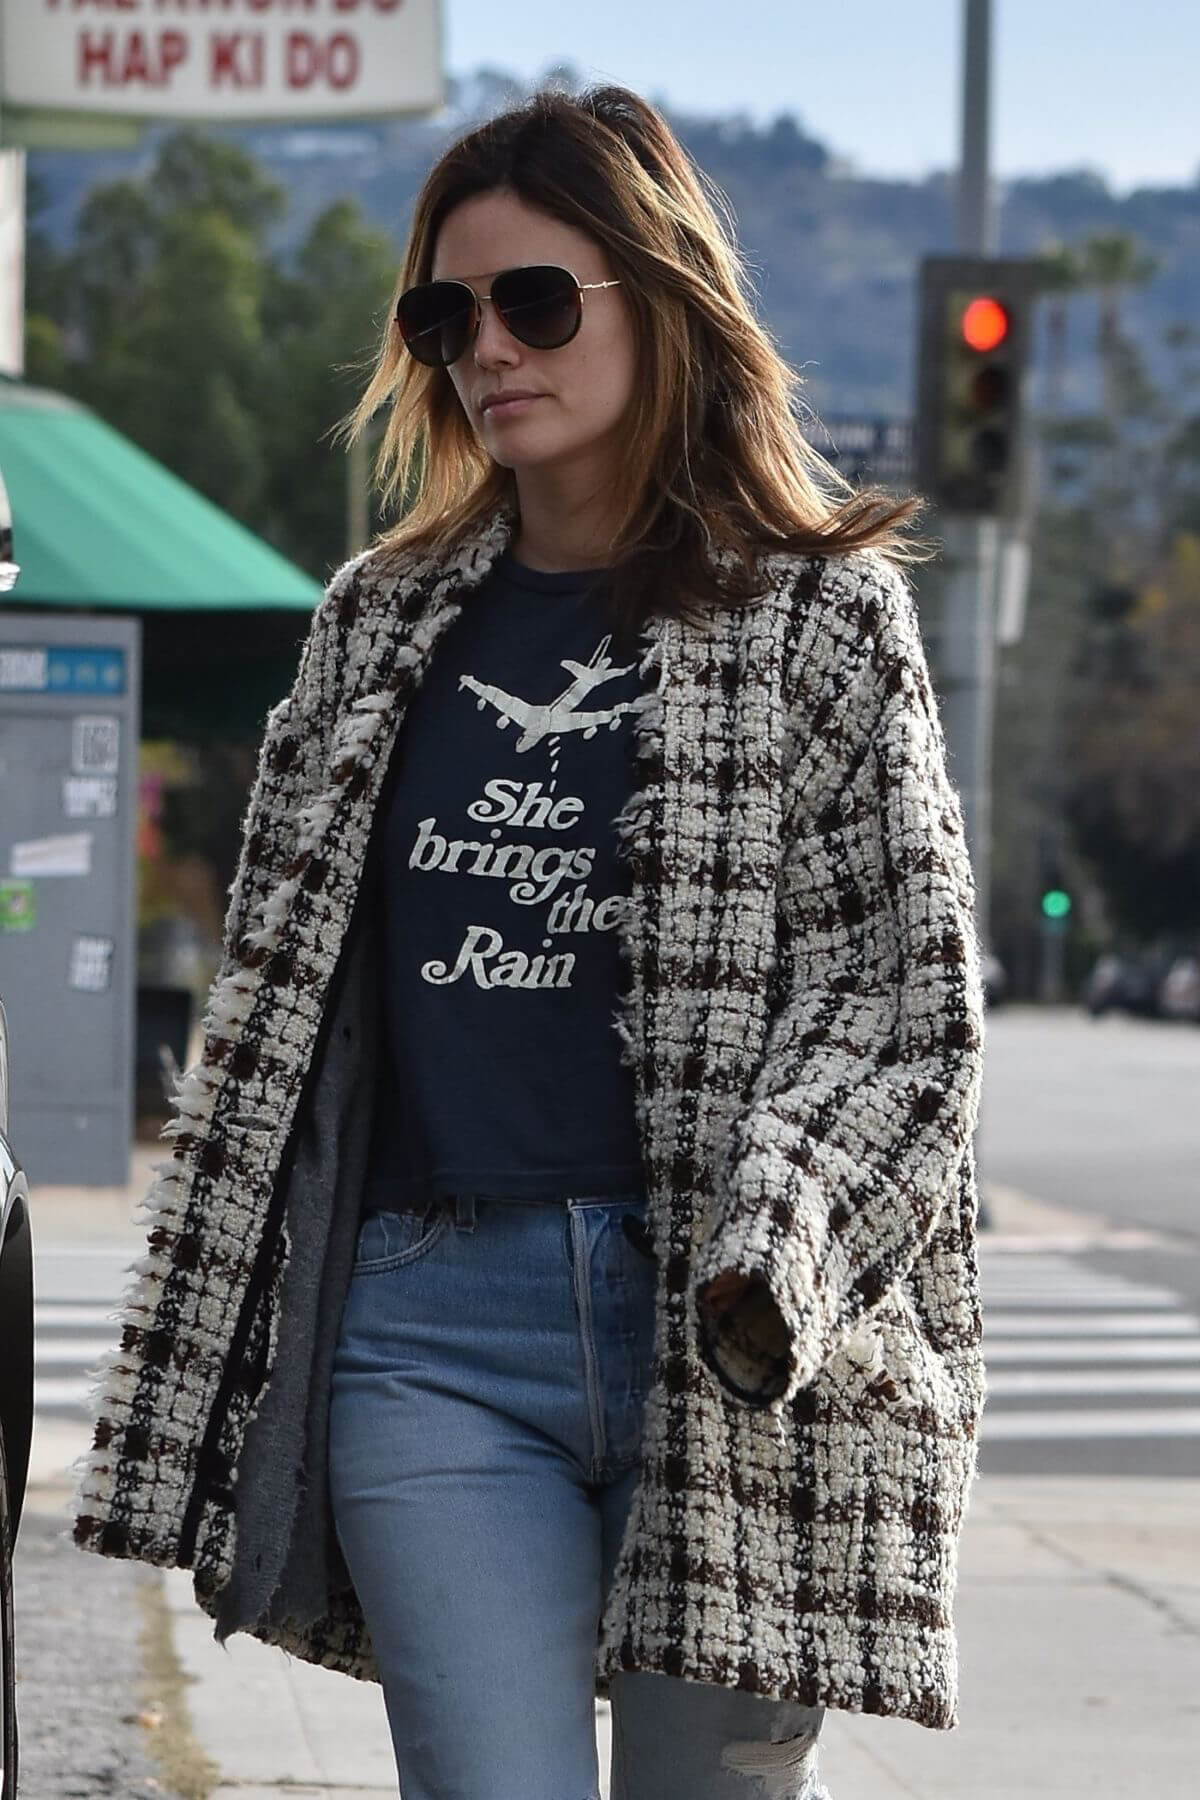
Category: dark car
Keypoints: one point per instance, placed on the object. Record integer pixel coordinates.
(1133, 981)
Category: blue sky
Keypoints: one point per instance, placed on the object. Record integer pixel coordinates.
(1112, 85)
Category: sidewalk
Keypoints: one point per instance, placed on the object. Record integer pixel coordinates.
(1078, 1616)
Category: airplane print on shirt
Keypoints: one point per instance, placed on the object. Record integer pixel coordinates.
(560, 714)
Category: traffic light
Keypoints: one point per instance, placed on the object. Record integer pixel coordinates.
(1054, 894)
(971, 378)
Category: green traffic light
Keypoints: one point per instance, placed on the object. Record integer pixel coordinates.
(1055, 903)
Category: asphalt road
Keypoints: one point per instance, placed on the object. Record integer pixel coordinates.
(1098, 1114)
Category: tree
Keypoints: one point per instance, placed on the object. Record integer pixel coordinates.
(1181, 451)
(183, 373)
(1111, 263)
(195, 173)
(1134, 800)
(45, 350)
(325, 317)
(154, 318)
(1060, 273)
(116, 245)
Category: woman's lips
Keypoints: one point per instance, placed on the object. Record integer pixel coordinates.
(508, 409)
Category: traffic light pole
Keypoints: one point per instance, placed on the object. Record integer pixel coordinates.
(966, 674)
(968, 618)
(968, 635)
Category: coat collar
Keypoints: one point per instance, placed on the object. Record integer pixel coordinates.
(405, 584)
(433, 583)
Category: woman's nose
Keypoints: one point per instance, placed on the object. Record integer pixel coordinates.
(495, 343)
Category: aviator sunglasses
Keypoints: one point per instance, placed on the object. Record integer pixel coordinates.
(541, 305)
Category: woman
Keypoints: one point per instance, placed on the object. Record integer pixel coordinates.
(564, 1276)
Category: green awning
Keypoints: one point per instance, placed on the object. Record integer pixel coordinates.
(98, 523)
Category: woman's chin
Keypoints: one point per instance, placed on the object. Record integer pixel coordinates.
(511, 452)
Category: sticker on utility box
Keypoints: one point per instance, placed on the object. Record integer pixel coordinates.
(23, 671)
(90, 969)
(18, 906)
(95, 744)
(68, 854)
(90, 796)
(91, 669)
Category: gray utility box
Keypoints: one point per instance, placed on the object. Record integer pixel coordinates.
(70, 689)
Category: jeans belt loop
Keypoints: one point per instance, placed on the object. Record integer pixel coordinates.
(464, 1212)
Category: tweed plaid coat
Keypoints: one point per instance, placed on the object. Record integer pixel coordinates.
(803, 1017)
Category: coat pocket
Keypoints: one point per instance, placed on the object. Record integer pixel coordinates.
(889, 1369)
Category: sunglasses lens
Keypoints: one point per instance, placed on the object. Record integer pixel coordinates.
(540, 306)
(436, 321)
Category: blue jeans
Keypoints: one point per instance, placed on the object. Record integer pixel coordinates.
(488, 1389)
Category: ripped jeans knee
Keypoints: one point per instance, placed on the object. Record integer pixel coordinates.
(680, 1740)
(780, 1770)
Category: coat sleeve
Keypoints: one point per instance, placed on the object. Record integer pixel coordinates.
(291, 761)
(836, 1167)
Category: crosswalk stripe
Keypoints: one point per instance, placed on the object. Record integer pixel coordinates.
(1004, 1273)
(1058, 1269)
(60, 1253)
(86, 1350)
(1027, 1350)
(58, 1393)
(1148, 1422)
(1082, 1299)
(1068, 1276)
(1104, 1324)
(1072, 1276)
(1024, 1294)
(1093, 1381)
(1017, 1244)
(74, 1314)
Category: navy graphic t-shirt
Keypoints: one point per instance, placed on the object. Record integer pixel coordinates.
(501, 895)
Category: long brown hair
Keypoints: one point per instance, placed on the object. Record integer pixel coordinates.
(717, 459)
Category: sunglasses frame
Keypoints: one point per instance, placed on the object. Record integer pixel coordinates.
(477, 304)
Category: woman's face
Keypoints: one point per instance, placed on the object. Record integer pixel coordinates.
(582, 390)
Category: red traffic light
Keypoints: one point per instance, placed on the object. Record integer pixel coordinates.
(974, 351)
(985, 323)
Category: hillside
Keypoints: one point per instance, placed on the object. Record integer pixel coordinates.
(833, 254)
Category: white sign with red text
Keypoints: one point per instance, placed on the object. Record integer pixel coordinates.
(222, 59)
